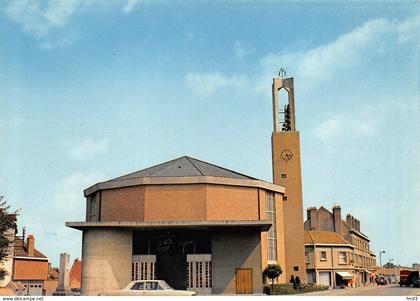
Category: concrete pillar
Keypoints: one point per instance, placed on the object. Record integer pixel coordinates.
(64, 282)
(106, 260)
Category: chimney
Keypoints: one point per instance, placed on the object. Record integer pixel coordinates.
(30, 245)
(353, 222)
(357, 225)
(348, 219)
(337, 218)
(312, 217)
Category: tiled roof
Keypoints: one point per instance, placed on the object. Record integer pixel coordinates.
(53, 273)
(387, 271)
(184, 167)
(323, 237)
(76, 274)
(22, 251)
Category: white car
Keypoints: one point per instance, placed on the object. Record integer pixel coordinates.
(148, 288)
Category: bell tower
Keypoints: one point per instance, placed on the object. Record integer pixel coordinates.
(287, 172)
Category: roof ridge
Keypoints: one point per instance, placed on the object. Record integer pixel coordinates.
(224, 168)
(189, 160)
(163, 165)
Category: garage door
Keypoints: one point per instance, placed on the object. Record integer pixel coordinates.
(324, 278)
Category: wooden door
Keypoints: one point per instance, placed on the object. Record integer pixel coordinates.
(244, 281)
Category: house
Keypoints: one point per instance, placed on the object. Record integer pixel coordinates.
(51, 284)
(392, 275)
(329, 259)
(362, 258)
(30, 266)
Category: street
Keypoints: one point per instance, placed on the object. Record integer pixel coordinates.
(388, 290)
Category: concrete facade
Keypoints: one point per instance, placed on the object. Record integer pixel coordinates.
(106, 260)
(231, 250)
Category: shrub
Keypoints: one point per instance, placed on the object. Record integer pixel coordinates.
(287, 289)
(272, 271)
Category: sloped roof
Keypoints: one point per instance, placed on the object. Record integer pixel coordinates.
(76, 274)
(324, 237)
(53, 273)
(21, 249)
(184, 170)
(184, 167)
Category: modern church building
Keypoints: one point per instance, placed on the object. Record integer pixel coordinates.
(196, 225)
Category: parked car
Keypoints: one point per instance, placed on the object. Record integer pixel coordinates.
(381, 281)
(148, 288)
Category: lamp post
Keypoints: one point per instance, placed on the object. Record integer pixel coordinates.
(380, 258)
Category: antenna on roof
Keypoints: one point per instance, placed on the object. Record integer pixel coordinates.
(23, 233)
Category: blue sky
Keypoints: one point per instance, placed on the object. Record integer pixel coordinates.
(91, 90)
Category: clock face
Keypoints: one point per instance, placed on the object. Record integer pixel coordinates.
(286, 155)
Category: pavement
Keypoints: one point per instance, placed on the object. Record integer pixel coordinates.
(386, 290)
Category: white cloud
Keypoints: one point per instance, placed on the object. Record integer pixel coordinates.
(409, 30)
(347, 55)
(130, 5)
(40, 17)
(68, 193)
(329, 127)
(48, 20)
(66, 203)
(241, 50)
(88, 149)
(366, 122)
(206, 84)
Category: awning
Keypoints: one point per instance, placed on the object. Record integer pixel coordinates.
(262, 225)
(345, 275)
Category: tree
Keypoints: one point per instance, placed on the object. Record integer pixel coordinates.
(389, 265)
(7, 223)
(272, 271)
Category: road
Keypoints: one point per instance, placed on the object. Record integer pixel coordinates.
(388, 290)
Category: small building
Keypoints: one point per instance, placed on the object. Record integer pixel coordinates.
(30, 266)
(391, 275)
(363, 259)
(328, 259)
(50, 285)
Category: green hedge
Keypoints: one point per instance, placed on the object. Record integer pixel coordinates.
(287, 289)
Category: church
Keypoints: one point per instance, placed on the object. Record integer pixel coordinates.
(197, 225)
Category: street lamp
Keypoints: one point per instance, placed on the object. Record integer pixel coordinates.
(380, 258)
